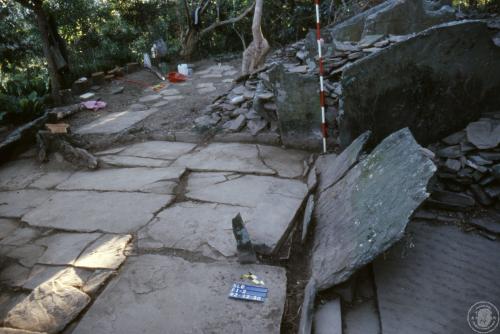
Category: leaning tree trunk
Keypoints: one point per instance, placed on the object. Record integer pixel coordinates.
(51, 52)
(189, 43)
(255, 55)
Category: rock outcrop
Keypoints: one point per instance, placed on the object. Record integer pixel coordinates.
(399, 17)
(436, 82)
(367, 210)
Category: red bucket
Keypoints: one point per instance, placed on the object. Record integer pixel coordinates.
(176, 77)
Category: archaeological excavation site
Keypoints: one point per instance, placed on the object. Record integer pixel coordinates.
(267, 167)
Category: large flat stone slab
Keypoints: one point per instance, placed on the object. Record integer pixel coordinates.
(286, 163)
(445, 272)
(194, 227)
(128, 161)
(19, 174)
(93, 211)
(158, 150)
(232, 157)
(64, 248)
(332, 168)
(421, 67)
(368, 209)
(274, 202)
(106, 252)
(14, 204)
(154, 180)
(49, 307)
(159, 294)
(328, 318)
(115, 122)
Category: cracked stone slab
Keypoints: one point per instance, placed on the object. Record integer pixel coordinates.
(41, 274)
(154, 180)
(13, 275)
(128, 161)
(158, 150)
(160, 294)
(233, 157)
(51, 179)
(27, 254)
(96, 281)
(89, 211)
(150, 98)
(273, 201)
(49, 308)
(287, 163)
(107, 252)
(19, 174)
(170, 92)
(365, 212)
(196, 227)
(7, 226)
(173, 97)
(115, 122)
(441, 270)
(14, 204)
(8, 299)
(20, 237)
(332, 167)
(64, 248)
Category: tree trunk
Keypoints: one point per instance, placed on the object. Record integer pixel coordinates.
(189, 42)
(50, 50)
(255, 55)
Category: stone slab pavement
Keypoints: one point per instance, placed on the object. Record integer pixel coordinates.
(430, 280)
(145, 243)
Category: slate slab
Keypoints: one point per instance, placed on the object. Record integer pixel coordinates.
(287, 163)
(127, 161)
(368, 209)
(195, 227)
(19, 174)
(115, 122)
(484, 134)
(7, 226)
(225, 157)
(89, 211)
(64, 248)
(49, 308)
(158, 150)
(106, 252)
(362, 319)
(333, 168)
(420, 66)
(153, 180)
(274, 202)
(328, 318)
(430, 287)
(161, 294)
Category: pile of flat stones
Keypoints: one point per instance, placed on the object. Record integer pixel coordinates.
(469, 166)
(251, 107)
(247, 107)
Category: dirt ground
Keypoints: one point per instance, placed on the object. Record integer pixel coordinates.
(177, 115)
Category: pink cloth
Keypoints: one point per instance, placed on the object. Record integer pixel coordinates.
(94, 105)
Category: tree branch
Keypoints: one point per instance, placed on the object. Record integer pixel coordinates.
(204, 6)
(26, 4)
(228, 21)
(188, 12)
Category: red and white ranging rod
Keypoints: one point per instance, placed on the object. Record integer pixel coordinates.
(324, 126)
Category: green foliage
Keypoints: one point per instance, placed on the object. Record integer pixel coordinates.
(23, 95)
